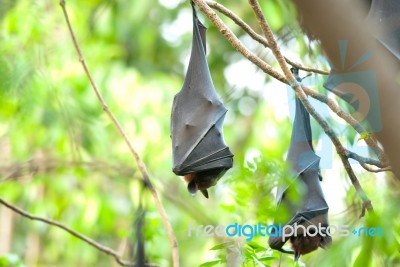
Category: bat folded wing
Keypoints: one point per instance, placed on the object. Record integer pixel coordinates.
(196, 128)
(278, 242)
(209, 152)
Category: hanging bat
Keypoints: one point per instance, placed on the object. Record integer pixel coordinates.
(198, 147)
(312, 209)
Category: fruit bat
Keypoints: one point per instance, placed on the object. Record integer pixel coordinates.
(198, 148)
(311, 208)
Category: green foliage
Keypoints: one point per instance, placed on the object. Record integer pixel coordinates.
(61, 158)
(10, 261)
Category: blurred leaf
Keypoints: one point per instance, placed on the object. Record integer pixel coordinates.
(210, 263)
(364, 136)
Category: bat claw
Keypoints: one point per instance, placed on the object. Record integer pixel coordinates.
(204, 192)
(296, 256)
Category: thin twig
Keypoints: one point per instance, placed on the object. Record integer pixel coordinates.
(371, 169)
(363, 160)
(34, 166)
(303, 98)
(331, 103)
(253, 34)
(370, 140)
(86, 239)
(235, 42)
(141, 165)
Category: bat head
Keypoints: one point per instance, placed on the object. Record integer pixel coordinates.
(305, 244)
(201, 181)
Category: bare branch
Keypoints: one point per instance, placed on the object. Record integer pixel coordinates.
(370, 169)
(235, 42)
(370, 140)
(331, 103)
(363, 160)
(141, 165)
(235, 18)
(303, 98)
(89, 241)
(34, 166)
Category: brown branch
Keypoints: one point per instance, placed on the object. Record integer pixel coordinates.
(330, 22)
(139, 162)
(257, 37)
(80, 236)
(36, 166)
(370, 169)
(331, 103)
(236, 44)
(303, 98)
(370, 140)
(362, 160)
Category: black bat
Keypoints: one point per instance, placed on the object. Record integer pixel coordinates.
(198, 147)
(312, 208)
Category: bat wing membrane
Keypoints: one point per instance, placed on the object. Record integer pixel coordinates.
(197, 115)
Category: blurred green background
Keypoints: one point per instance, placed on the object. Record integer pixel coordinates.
(61, 157)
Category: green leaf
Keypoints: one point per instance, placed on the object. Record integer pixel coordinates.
(256, 246)
(258, 262)
(364, 136)
(211, 263)
(266, 258)
(221, 246)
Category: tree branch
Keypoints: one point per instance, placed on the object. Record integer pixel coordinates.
(89, 241)
(370, 169)
(330, 22)
(141, 165)
(235, 42)
(253, 34)
(371, 141)
(36, 165)
(331, 103)
(303, 98)
(363, 160)
(289, 79)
